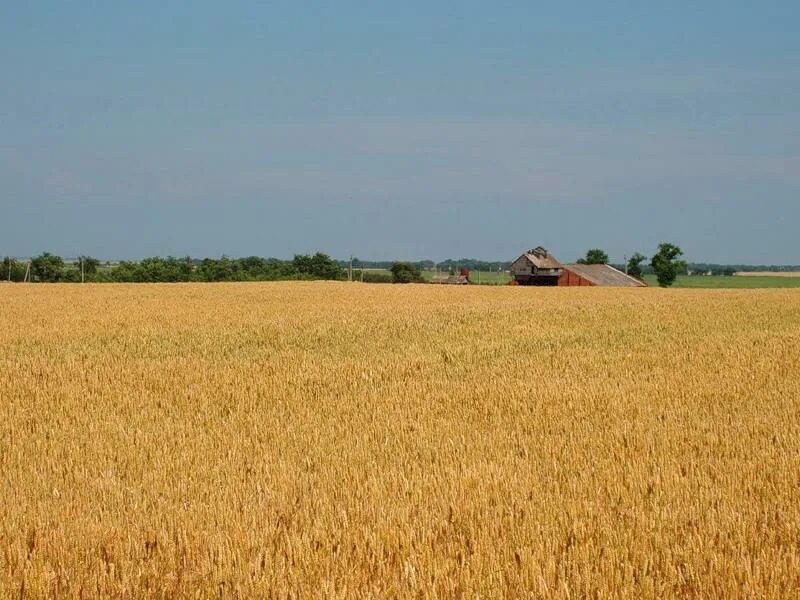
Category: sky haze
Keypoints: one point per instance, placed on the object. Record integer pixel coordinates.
(400, 130)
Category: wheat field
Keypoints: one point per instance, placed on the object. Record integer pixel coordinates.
(344, 440)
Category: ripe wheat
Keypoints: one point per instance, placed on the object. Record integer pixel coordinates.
(349, 440)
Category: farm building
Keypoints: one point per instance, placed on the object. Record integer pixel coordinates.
(536, 267)
(450, 279)
(596, 275)
(539, 267)
(461, 279)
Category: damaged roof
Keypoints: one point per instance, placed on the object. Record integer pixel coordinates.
(542, 259)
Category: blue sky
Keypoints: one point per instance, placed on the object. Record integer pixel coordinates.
(400, 130)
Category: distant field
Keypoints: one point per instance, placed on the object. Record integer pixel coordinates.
(737, 282)
(768, 274)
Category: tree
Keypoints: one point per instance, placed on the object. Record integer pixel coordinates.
(12, 270)
(47, 267)
(319, 266)
(595, 256)
(89, 266)
(666, 264)
(324, 267)
(404, 272)
(635, 265)
(125, 272)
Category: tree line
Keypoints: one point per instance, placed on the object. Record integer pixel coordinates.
(665, 264)
(449, 265)
(51, 268)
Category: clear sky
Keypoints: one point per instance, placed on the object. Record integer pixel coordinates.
(400, 129)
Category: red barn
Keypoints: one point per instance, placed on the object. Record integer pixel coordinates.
(596, 275)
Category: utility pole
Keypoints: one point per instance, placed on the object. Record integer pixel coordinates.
(350, 275)
(83, 277)
(625, 258)
(8, 258)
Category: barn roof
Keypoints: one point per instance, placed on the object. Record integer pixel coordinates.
(542, 259)
(605, 276)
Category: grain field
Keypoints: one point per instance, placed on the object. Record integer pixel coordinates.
(343, 440)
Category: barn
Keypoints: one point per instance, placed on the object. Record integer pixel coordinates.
(596, 275)
(536, 267)
(461, 279)
(539, 267)
(450, 279)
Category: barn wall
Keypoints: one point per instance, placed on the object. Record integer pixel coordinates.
(543, 280)
(570, 279)
(521, 266)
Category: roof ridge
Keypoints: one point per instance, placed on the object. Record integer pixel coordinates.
(623, 273)
(595, 273)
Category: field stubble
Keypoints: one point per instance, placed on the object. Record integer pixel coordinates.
(349, 440)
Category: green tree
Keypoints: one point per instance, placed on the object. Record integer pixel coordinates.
(666, 265)
(635, 265)
(89, 265)
(318, 266)
(404, 272)
(12, 269)
(324, 267)
(47, 267)
(125, 272)
(595, 256)
(152, 269)
(223, 269)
